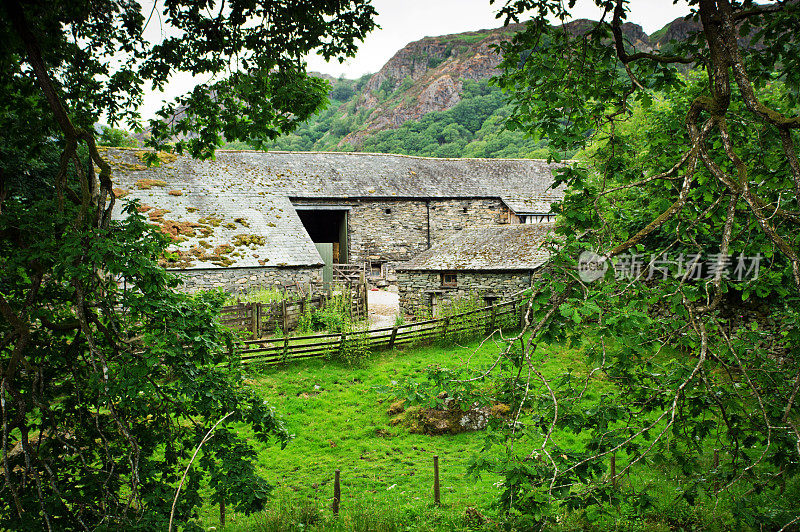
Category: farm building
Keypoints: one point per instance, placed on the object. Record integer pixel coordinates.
(491, 262)
(250, 219)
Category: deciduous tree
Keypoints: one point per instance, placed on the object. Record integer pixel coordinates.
(109, 376)
(693, 154)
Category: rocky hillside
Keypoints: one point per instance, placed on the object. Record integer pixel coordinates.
(425, 76)
(428, 75)
(427, 97)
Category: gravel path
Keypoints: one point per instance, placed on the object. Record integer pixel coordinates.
(383, 308)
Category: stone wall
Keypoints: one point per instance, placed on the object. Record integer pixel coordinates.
(387, 231)
(244, 280)
(451, 216)
(394, 231)
(422, 291)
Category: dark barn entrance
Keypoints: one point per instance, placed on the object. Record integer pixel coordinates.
(327, 227)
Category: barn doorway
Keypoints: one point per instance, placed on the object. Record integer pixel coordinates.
(327, 227)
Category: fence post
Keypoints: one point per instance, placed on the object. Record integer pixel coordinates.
(514, 308)
(285, 318)
(341, 343)
(363, 278)
(494, 318)
(222, 512)
(349, 292)
(253, 318)
(337, 493)
(444, 327)
(285, 347)
(436, 498)
(394, 335)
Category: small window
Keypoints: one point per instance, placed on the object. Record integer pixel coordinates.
(388, 211)
(466, 209)
(376, 269)
(449, 279)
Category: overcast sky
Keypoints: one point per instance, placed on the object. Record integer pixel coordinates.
(404, 21)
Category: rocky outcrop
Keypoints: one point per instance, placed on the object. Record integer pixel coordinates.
(448, 418)
(426, 76)
(678, 30)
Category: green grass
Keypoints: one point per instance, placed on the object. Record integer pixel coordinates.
(339, 421)
(343, 424)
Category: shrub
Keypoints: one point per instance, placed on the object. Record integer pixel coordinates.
(334, 317)
(265, 295)
(461, 328)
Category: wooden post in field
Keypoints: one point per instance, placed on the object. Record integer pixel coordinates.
(222, 512)
(494, 318)
(341, 343)
(285, 346)
(436, 497)
(444, 327)
(285, 318)
(394, 335)
(337, 493)
(614, 471)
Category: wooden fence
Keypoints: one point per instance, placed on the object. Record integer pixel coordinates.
(261, 319)
(454, 328)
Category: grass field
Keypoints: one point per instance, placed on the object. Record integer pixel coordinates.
(339, 421)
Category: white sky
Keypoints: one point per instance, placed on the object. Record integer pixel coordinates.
(404, 21)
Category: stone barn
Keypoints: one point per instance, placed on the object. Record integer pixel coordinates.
(493, 262)
(249, 219)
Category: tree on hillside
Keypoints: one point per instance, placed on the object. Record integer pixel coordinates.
(690, 198)
(110, 377)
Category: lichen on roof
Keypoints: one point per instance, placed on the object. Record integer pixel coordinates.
(243, 192)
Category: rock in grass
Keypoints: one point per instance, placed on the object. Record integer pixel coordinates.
(398, 407)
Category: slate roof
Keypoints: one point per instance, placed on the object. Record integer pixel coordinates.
(257, 186)
(533, 205)
(350, 175)
(487, 248)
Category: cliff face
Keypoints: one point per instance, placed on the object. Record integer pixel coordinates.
(427, 75)
(678, 30)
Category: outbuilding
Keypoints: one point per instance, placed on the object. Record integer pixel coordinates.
(249, 219)
(492, 262)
